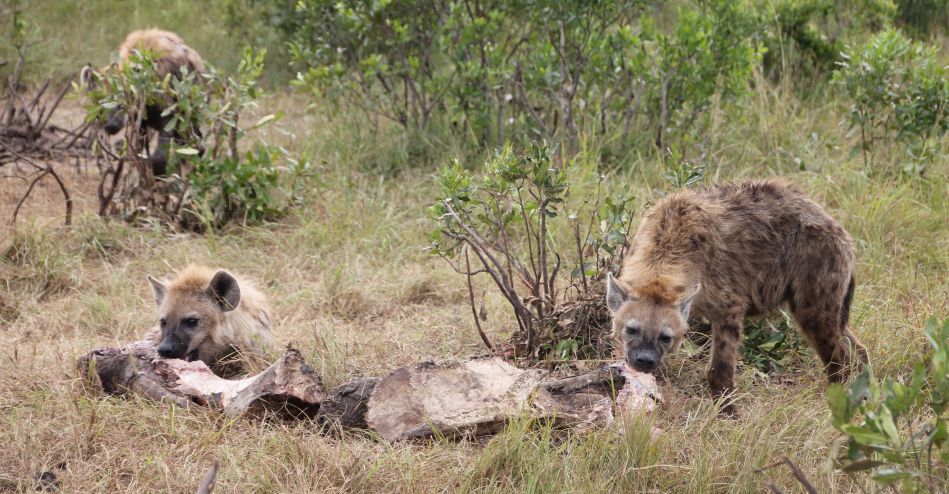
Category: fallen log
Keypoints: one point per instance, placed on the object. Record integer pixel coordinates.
(475, 397)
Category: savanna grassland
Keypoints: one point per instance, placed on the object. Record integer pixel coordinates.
(353, 287)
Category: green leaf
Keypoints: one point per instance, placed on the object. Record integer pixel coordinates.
(863, 435)
(860, 388)
(887, 424)
(264, 120)
(890, 475)
(839, 404)
(186, 151)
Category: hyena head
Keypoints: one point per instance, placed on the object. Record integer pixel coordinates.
(646, 326)
(190, 312)
(115, 121)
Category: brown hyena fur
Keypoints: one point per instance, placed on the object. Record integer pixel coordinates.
(213, 317)
(173, 58)
(727, 252)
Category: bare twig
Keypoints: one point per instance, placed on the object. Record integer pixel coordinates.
(59, 99)
(29, 189)
(795, 471)
(474, 310)
(497, 272)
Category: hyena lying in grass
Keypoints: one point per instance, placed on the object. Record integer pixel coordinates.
(727, 252)
(212, 317)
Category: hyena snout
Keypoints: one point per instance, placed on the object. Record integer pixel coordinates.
(115, 122)
(642, 359)
(172, 347)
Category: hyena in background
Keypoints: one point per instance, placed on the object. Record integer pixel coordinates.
(728, 252)
(213, 317)
(173, 56)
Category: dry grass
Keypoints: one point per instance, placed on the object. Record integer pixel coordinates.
(352, 288)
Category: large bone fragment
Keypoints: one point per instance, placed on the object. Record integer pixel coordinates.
(289, 388)
(480, 396)
(473, 397)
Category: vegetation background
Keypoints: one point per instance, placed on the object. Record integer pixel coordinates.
(353, 287)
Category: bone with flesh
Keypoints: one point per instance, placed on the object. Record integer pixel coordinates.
(289, 387)
(462, 399)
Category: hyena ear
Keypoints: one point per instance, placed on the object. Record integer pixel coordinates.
(616, 295)
(686, 304)
(159, 289)
(225, 290)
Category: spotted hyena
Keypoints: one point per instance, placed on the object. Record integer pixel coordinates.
(728, 252)
(173, 58)
(211, 316)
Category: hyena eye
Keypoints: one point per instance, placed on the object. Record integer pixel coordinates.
(163, 323)
(665, 338)
(632, 330)
(191, 322)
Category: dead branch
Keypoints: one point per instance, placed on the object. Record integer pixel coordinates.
(474, 311)
(47, 170)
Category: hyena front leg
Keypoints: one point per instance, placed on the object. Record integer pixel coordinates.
(726, 340)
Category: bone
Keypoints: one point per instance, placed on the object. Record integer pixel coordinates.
(464, 399)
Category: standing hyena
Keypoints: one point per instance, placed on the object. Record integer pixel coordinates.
(212, 317)
(727, 252)
(173, 58)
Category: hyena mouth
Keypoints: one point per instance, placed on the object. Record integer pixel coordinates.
(192, 355)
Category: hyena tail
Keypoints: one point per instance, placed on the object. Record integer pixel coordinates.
(848, 299)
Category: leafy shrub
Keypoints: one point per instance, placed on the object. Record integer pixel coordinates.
(516, 222)
(211, 182)
(797, 42)
(508, 71)
(899, 431)
(804, 39)
(770, 344)
(922, 17)
(898, 90)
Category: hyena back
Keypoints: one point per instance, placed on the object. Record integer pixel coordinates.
(726, 252)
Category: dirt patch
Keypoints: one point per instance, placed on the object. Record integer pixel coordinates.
(46, 203)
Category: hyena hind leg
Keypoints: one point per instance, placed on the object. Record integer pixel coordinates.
(839, 349)
(858, 354)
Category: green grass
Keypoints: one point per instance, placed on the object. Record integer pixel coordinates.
(352, 288)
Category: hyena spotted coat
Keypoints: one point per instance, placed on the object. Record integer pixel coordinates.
(727, 252)
(173, 57)
(210, 316)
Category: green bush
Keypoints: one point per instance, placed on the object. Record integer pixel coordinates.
(496, 72)
(923, 17)
(898, 91)
(795, 39)
(516, 224)
(898, 430)
(211, 180)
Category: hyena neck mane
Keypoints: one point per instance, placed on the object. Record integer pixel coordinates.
(661, 288)
(671, 247)
(247, 327)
